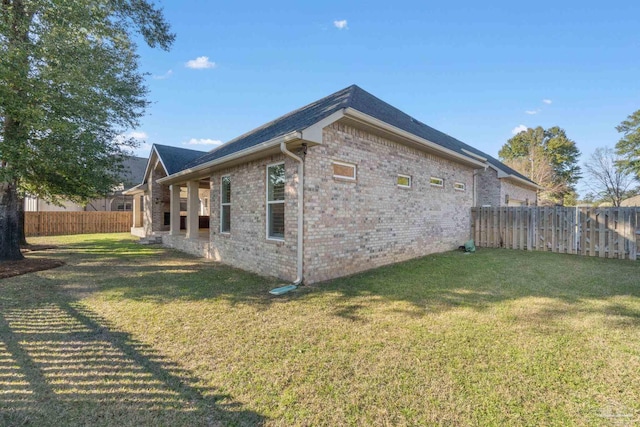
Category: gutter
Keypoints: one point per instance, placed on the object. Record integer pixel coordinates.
(298, 280)
(246, 152)
(520, 180)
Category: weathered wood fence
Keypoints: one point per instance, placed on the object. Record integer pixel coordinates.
(602, 232)
(60, 223)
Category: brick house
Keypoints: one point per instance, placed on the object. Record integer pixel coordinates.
(151, 199)
(344, 184)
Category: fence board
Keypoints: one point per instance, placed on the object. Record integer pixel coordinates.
(61, 223)
(601, 232)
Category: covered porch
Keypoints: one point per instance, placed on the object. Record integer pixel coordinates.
(179, 211)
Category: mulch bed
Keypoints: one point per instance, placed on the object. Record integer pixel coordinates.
(28, 265)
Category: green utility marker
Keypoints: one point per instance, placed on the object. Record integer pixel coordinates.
(282, 290)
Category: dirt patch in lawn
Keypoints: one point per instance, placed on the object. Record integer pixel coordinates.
(29, 265)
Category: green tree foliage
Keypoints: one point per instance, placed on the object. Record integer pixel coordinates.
(69, 85)
(629, 145)
(546, 156)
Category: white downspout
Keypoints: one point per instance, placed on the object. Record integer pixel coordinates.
(285, 151)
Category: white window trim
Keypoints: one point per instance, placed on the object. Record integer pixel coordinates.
(459, 186)
(351, 165)
(268, 203)
(404, 176)
(436, 185)
(225, 204)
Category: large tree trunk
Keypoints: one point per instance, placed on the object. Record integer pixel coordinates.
(22, 238)
(9, 223)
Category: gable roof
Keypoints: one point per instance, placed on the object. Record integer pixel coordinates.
(174, 159)
(352, 97)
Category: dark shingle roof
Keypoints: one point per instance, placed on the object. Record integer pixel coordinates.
(358, 99)
(133, 169)
(296, 120)
(176, 159)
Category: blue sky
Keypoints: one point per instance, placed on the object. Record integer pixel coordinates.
(475, 70)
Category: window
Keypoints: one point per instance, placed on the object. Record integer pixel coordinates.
(459, 186)
(275, 201)
(344, 171)
(436, 182)
(225, 204)
(404, 181)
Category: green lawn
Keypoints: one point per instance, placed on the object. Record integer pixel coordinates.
(129, 335)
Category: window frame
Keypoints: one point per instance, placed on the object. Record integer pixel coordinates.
(344, 177)
(433, 184)
(459, 186)
(272, 202)
(223, 204)
(404, 176)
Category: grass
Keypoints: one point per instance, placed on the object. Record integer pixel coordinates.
(129, 335)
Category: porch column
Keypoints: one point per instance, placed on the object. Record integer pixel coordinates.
(136, 211)
(193, 203)
(174, 209)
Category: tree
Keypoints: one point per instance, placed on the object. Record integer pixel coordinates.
(69, 85)
(547, 157)
(609, 181)
(629, 145)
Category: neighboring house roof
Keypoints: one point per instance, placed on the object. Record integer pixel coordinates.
(631, 201)
(133, 170)
(358, 99)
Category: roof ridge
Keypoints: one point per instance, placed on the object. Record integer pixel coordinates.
(177, 148)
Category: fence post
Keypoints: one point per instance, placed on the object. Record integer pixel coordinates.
(633, 224)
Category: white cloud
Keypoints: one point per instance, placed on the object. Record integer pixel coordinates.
(137, 135)
(200, 63)
(547, 101)
(532, 112)
(520, 128)
(142, 150)
(203, 141)
(164, 76)
(341, 25)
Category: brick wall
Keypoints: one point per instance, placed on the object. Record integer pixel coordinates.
(246, 246)
(492, 191)
(516, 192)
(355, 226)
(488, 188)
(157, 202)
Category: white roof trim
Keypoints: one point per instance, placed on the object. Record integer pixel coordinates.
(504, 175)
(291, 136)
(140, 188)
(358, 115)
(477, 156)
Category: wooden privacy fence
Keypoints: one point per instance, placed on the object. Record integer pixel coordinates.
(602, 232)
(60, 223)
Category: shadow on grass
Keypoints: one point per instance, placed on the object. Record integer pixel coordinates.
(436, 283)
(125, 269)
(450, 280)
(430, 284)
(61, 364)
